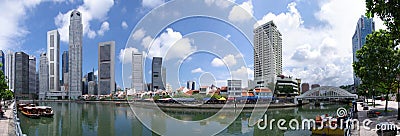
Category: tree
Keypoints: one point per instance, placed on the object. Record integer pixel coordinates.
(388, 11)
(3, 85)
(378, 62)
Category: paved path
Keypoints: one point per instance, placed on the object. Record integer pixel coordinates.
(389, 117)
(7, 122)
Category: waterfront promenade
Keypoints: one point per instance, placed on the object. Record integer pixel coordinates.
(390, 116)
(7, 127)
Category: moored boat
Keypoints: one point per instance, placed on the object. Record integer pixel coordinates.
(45, 111)
(30, 112)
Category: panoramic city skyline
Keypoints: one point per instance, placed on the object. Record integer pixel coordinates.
(322, 55)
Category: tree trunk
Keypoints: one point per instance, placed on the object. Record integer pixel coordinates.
(387, 96)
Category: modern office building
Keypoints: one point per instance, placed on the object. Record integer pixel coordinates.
(137, 72)
(234, 88)
(305, 87)
(92, 88)
(64, 68)
(157, 76)
(32, 77)
(267, 54)
(53, 55)
(315, 86)
(364, 27)
(21, 84)
(191, 85)
(10, 69)
(43, 76)
(75, 55)
(106, 68)
(250, 84)
(286, 86)
(2, 61)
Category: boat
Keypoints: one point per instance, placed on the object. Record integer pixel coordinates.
(45, 111)
(30, 112)
(21, 105)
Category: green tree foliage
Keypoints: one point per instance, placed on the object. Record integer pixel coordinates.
(388, 11)
(378, 62)
(4, 92)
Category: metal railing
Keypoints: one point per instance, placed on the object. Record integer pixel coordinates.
(18, 131)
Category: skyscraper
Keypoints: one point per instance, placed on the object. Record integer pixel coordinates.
(21, 83)
(267, 54)
(43, 76)
(2, 61)
(10, 69)
(364, 27)
(64, 68)
(106, 68)
(157, 77)
(32, 77)
(53, 54)
(75, 55)
(137, 72)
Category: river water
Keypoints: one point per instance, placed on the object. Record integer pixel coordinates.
(111, 119)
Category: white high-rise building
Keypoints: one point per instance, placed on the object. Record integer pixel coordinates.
(234, 88)
(75, 55)
(106, 68)
(267, 54)
(137, 72)
(43, 76)
(53, 59)
(10, 69)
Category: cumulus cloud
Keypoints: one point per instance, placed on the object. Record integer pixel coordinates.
(124, 25)
(13, 13)
(197, 70)
(220, 3)
(104, 28)
(319, 54)
(90, 10)
(169, 45)
(139, 34)
(152, 3)
(242, 12)
(125, 55)
(229, 60)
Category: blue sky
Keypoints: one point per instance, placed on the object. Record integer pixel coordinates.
(316, 35)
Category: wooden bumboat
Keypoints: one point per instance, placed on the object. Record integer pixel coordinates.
(30, 112)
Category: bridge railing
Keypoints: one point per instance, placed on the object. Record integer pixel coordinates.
(18, 131)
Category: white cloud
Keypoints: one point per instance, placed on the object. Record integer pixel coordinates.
(125, 55)
(139, 34)
(152, 3)
(379, 24)
(124, 25)
(229, 60)
(104, 28)
(96, 73)
(169, 45)
(242, 12)
(197, 70)
(220, 3)
(91, 10)
(319, 54)
(13, 30)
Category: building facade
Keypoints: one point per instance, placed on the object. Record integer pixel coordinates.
(43, 76)
(106, 68)
(191, 85)
(364, 27)
(267, 54)
(234, 88)
(156, 76)
(75, 55)
(92, 88)
(64, 69)
(32, 77)
(10, 69)
(305, 87)
(21, 84)
(53, 58)
(315, 86)
(137, 72)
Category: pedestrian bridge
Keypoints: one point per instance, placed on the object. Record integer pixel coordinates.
(326, 92)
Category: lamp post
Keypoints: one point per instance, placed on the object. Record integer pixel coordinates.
(398, 96)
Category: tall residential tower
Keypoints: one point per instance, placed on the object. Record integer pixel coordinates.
(267, 54)
(106, 68)
(75, 55)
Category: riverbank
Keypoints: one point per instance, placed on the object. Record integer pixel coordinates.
(7, 127)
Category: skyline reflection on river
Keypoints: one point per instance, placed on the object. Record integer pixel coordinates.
(108, 119)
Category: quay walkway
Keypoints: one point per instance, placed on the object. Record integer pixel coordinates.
(7, 126)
